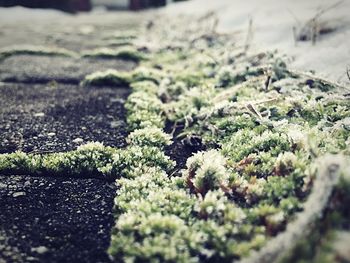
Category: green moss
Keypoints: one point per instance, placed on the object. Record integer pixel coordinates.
(107, 78)
(35, 50)
(146, 74)
(92, 159)
(117, 78)
(227, 76)
(87, 160)
(145, 86)
(149, 137)
(257, 170)
(246, 142)
(203, 176)
(123, 54)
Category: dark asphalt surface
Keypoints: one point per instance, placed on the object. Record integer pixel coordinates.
(43, 109)
(59, 117)
(55, 219)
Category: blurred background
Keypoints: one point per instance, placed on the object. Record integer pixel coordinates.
(314, 33)
(74, 6)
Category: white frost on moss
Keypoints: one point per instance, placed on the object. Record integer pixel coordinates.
(150, 136)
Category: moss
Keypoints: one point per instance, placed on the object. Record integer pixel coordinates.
(203, 176)
(87, 160)
(190, 103)
(107, 78)
(245, 142)
(149, 137)
(144, 110)
(146, 74)
(123, 54)
(117, 78)
(261, 139)
(92, 159)
(35, 50)
(227, 76)
(145, 86)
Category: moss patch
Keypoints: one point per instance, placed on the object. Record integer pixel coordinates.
(123, 54)
(35, 50)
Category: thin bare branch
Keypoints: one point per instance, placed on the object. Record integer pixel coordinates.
(249, 38)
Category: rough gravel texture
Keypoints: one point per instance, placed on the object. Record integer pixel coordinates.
(57, 117)
(43, 109)
(54, 219)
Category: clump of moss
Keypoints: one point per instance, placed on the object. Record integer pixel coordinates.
(202, 175)
(150, 136)
(92, 159)
(190, 103)
(228, 76)
(245, 142)
(117, 78)
(123, 54)
(145, 86)
(87, 160)
(35, 50)
(147, 74)
(144, 110)
(107, 78)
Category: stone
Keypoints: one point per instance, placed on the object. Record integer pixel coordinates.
(17, 194)
(40, 249)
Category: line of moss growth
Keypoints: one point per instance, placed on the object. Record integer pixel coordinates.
(117, 78)
(89, 160)
(35, 50)
(123, 54)
(237, 196)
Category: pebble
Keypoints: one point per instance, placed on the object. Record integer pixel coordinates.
(40, 249)
(78, 140)
(50, 134)
(17, 194)
(39, 114)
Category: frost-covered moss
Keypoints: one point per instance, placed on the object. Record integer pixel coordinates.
(107, 78)
(117, 78)
(92, 159)
(263, 127)
(206, 171)
(149, 137)
(147, 74)
(190, 103)
(145, 86)
(246, 142)
(144, 109)
(35, 50)
(124, 54)
(87, 160)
